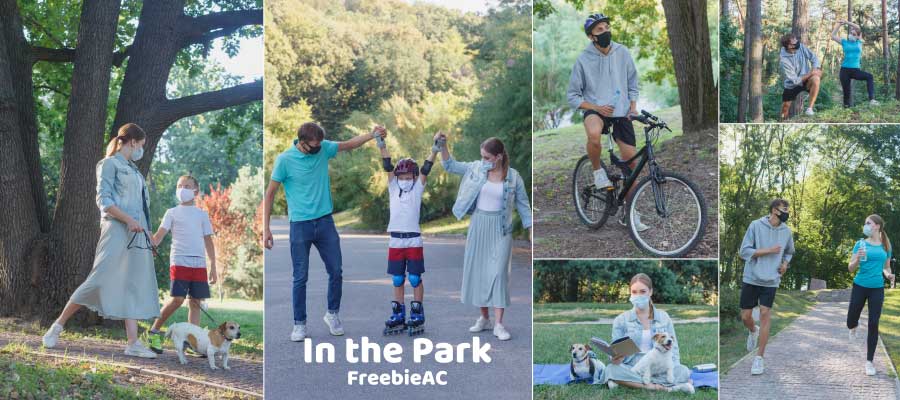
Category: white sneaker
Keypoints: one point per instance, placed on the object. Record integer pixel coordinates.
(851, 335)
(52, 335)
(752, 338)
(500, 332)
(612, 385)
(873, 102)
(683, 387)
(299, 333)
(480, 325)
(809, 111)
(137, 349)
(334, 324)
(870, 368)
(637, 223)
(601, 180)
(758, 366)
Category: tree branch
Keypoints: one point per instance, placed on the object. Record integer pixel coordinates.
(68, 55)
(187, 106)
(210, 26)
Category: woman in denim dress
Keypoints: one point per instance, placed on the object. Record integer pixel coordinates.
(489, 191)
(640, 324)
(122, 283)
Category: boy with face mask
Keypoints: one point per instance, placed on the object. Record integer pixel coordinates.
(192, 233)
(405, 189)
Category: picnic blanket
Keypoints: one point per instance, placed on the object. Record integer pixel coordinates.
(558, 374)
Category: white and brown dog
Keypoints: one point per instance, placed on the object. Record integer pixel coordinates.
(583, 366)
(211, 343)
(658, 360)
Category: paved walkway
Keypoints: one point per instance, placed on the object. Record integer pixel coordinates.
(812, 359)
(364, 308)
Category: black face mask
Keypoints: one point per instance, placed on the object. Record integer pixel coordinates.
(783, 217)
(312, 149)
(794, 46)
(603, 39)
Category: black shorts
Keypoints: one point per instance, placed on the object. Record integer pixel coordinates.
(622, 129)
(791, 94)
(752, 295)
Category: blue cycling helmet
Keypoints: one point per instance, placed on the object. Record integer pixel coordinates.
(593, 20)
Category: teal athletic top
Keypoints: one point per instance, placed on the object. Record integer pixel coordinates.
(869, 274)
(307, 185)
(852, 51)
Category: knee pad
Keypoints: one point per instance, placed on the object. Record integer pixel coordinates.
(398, 280)
(415, 280)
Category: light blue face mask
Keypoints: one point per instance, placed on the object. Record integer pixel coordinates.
(867, 230)
(137, 153)
(486, 166)
(640, 301)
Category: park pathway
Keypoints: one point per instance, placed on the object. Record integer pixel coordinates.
(812, 359)
(244, 380)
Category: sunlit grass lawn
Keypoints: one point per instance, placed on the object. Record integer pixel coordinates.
(249, 314)
(733, 336)
(23, 376)
(697, 345)
(576, 312)
(889, 325)
(886, 112)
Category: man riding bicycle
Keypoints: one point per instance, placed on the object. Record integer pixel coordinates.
(604, 85)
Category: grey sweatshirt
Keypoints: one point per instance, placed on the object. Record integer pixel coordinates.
(604, 79)
(794, 66)
(763, 270)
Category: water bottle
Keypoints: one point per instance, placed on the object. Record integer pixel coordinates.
(615, 100)
(862, 246)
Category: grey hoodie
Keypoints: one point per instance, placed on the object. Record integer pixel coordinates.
(794, 66)
(604, 79)
(763, 270)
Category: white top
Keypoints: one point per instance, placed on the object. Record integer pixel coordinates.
(405, 208)
(491, 196)
(189, 225)
(646, 341)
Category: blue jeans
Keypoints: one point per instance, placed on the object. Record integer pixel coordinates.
(321, 233)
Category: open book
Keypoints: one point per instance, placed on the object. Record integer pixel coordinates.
(622, 347)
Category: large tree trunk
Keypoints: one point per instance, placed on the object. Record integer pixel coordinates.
(885, 45)
(754, 33)
(800, 29)
(744, 95)
(686, 24)
(20, 223)
(76, 229)
(897, 82)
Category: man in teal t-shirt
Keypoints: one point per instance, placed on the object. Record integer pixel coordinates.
(303, 170)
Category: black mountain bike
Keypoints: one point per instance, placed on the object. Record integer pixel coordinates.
(669, 206)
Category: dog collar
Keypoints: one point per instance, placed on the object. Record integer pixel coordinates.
(581, 360)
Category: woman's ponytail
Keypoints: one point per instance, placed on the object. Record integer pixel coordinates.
(885, 241)
(127, 133)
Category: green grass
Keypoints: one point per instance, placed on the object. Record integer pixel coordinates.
(350, 220)
(25, 377)
(889, 325)
(886, 112)
(697, 345)
(576, 312)
(733, 336)
(249, 314)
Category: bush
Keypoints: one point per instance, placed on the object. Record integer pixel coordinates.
(729, 303)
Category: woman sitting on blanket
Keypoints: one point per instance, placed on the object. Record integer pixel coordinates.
(640, 324)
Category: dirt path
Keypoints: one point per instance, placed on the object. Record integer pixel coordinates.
(244, 379)
(559, 233)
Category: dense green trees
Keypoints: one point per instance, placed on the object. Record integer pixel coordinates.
(415, 69)
(674, 281)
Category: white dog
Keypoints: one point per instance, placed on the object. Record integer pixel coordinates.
(658, 360)
(202, 341)
(583, 366)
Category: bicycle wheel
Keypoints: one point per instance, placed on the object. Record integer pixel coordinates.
(676, 232)
(593, 206)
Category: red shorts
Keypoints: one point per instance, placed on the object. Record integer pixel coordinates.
(407, 259)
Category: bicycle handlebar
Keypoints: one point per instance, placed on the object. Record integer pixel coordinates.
(650, 119)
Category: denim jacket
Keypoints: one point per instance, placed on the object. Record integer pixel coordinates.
(120, 184)
(514, 194)
(628, 324)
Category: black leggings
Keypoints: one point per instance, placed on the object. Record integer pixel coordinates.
(855, 73)
(858, 298)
